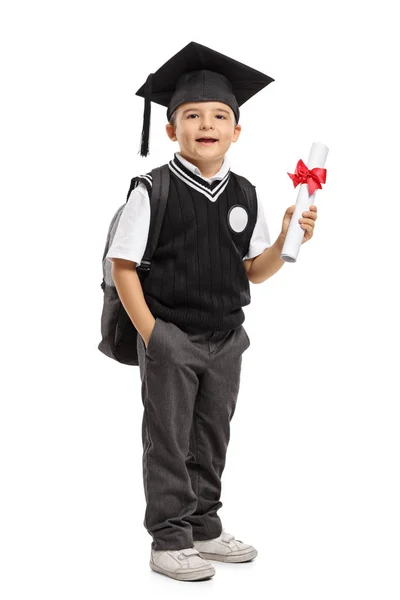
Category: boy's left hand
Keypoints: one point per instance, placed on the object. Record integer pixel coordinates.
(307, 221)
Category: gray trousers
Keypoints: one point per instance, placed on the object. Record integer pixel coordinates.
(189, 383)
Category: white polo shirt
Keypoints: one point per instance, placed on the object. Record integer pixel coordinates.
(132, 232)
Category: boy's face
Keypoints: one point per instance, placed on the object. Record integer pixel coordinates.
(196, 120)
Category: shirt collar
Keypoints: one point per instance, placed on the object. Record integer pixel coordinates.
(196, 171)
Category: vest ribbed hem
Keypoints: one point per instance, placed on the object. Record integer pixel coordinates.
(194, 318)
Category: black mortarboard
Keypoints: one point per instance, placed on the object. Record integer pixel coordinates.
(198, 74)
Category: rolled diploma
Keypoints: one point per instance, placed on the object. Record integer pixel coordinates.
(295, 232)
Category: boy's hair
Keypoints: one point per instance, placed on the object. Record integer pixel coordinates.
(172, 120)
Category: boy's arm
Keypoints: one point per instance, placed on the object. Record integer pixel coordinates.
(267, 263)
(131, 295)
(247, 265)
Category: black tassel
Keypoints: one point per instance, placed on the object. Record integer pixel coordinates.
(144, 148)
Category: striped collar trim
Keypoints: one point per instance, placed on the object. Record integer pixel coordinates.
(212, 191)
(194, 169)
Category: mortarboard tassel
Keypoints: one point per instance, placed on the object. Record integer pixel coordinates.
(144, 148)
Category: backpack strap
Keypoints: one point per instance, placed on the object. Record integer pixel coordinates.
(158, 201)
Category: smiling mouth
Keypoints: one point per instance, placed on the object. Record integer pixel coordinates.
(206, 140)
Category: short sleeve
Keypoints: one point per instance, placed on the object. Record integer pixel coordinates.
(132, 232)
(260, 240)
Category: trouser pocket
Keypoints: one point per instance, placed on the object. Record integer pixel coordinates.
(152, 337)
(247, 339)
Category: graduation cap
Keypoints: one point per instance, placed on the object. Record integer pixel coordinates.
(198, 74)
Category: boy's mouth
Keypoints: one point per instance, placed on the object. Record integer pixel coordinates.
(206, 141)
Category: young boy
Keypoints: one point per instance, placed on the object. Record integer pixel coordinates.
(213, 241)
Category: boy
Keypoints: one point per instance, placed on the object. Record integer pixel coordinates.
(213, 241)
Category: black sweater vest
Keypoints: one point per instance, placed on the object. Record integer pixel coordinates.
(197, 277)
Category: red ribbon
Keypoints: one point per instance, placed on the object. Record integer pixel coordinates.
(313, 177)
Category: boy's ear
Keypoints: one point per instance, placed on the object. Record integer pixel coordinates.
(236, 133)
(170, 129)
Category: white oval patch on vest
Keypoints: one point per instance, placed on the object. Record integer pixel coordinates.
(238, 218)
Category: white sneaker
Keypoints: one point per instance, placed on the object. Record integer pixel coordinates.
(186, 564)
(226, 549)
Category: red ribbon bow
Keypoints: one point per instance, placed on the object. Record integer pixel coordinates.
(313, 177)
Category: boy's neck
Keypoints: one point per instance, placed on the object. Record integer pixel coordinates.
(208, 168)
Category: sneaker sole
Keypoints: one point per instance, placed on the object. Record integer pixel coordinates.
(229, 558)
(190, 576)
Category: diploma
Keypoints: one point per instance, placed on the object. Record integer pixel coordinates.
(309, 177)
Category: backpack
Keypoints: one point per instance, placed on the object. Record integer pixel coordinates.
(119, 335)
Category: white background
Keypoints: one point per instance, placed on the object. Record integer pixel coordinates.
(312, 473)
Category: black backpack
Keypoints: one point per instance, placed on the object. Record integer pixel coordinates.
(119, 335)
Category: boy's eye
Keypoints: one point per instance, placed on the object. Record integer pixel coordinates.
(196, 115)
